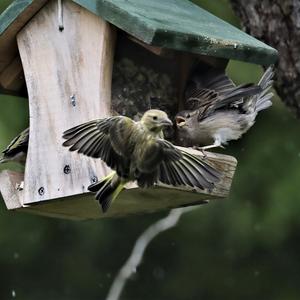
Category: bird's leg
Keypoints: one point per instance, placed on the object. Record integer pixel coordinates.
(217, 143)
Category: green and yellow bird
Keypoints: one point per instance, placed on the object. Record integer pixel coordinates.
(17, 148)
(137, 152)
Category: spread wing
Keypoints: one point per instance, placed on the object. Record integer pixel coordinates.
(212, 79)
(181, 168)
(208, 101)
(105, 139)
(211, 89)
(18, 144)
(109, 139)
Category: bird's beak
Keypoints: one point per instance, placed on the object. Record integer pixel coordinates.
(166, 122)
(180, 121)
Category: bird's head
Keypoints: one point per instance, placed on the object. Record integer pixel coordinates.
(186, 124)
(184, 118)
(155, 120)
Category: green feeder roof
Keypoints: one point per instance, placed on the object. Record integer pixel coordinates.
(181, 25)
(175, 24)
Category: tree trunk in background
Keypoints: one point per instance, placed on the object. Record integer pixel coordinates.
(277, 23)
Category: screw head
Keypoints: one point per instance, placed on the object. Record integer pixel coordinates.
(67, 169)
(73, 100)
(94, 179)
(41, 191)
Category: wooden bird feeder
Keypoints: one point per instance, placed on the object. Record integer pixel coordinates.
(84, 59)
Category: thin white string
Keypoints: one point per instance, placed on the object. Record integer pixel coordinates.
(60, 15)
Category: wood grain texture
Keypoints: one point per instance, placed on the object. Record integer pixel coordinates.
(59, 65)
(12, 77)
(155, 50)
(9, 180)
(181, 25)
(11, 21)
(132, 200)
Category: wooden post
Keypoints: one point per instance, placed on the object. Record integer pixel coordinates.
(68, 76)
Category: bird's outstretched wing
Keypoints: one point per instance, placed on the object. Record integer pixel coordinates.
(213, 79)
(180, 168)
(211, 89)
(209, 101)
(18, 144)
(103, 138)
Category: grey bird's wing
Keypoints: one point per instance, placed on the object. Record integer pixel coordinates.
(211, 101)
(213, 79)
(211, 90)
(18, 145)
(103, 138)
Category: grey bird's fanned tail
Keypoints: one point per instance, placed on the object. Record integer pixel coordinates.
(263, 100)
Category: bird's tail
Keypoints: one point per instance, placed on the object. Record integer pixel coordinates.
(263, 99)
(107, 190)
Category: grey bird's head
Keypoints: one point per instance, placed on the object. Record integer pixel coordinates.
(186, 121)
(155, 120)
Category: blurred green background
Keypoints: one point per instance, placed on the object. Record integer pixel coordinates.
(245, 247)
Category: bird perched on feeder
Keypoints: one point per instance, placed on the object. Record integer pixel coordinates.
(218, 111)
(137, 151)
(17, 149)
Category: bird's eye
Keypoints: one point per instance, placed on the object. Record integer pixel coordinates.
(188, 115)
(154, 118)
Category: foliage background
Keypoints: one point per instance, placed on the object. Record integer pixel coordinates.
(246, 247)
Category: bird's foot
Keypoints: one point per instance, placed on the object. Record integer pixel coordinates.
(204, 148)
(201, 149)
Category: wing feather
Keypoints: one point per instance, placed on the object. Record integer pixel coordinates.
(181, 168)
(94, 139)
(18, 144)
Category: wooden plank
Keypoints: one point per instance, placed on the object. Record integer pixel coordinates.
(9, 181)
(12, 77)
(155, 50)
(132, 200)
(11, 21)
(68, 76)
(186, 62)
(181, 25)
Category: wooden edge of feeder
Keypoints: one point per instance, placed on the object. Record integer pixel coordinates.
(131, 201)
(12, 77)
(9, 182)
(160, 51)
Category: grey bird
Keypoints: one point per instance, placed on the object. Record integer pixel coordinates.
(17, 149)
(136, 151)
(217, 111)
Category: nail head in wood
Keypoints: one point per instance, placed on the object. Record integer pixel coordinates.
(94, 179)
(41, 191)
(67, 169)
(73, 100)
